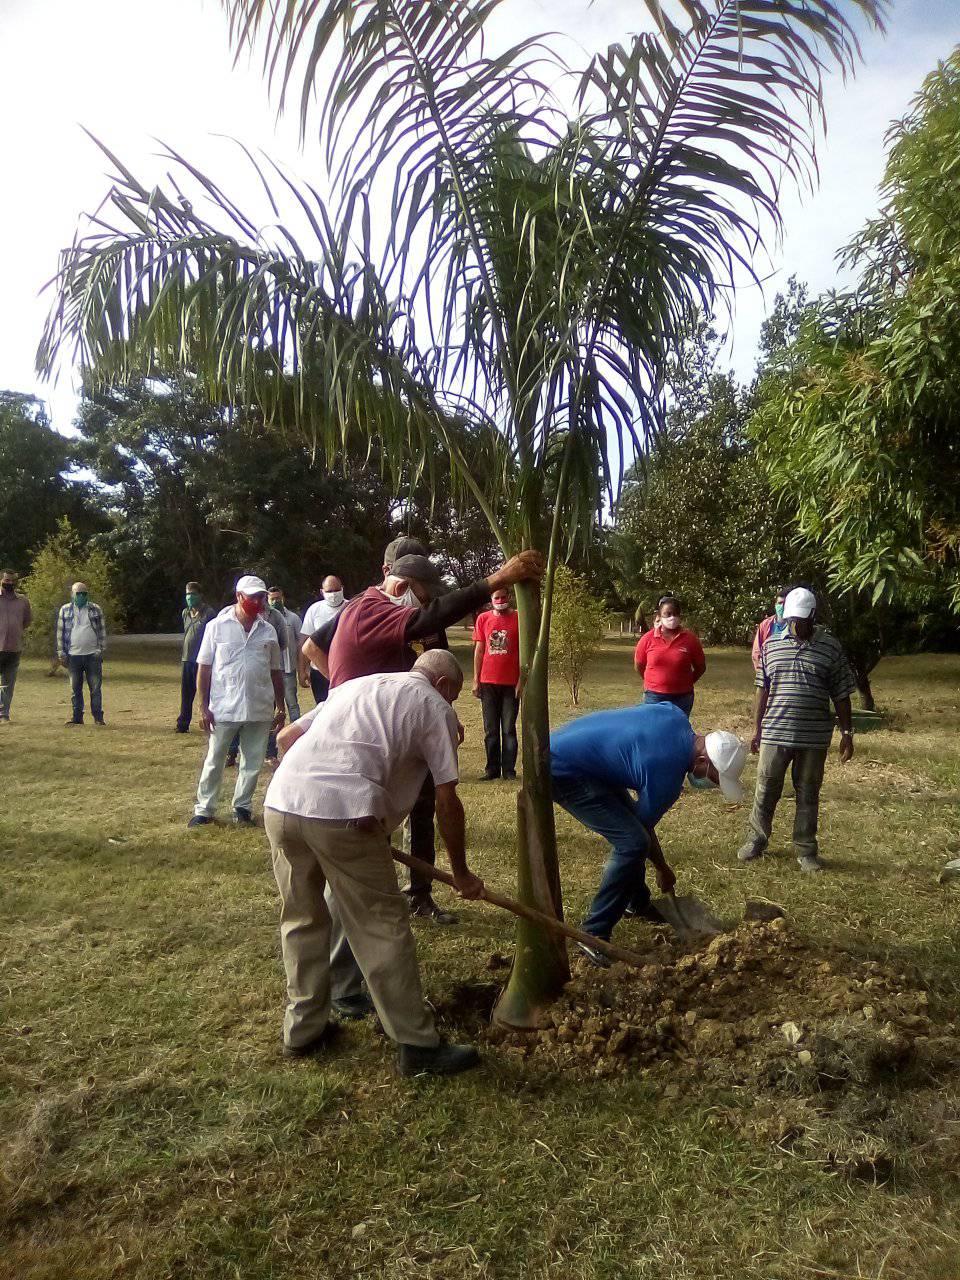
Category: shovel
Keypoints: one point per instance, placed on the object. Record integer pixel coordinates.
(495, 899)
(688, 917)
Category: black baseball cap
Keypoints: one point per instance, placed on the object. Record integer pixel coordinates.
(403, 547)
(420, 569)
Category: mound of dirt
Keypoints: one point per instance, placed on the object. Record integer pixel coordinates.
(757, 1006)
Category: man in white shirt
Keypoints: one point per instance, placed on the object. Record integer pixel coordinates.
(240, 683)
(317, 615)
(81, 641)
(352, 771)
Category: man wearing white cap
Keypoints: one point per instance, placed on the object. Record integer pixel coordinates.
(240, 684)
(598, 760)
(801, 673)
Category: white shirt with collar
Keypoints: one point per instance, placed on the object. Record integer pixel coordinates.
(367, 751)
(241, 687)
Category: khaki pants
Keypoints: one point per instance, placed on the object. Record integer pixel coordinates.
(806, 769)
(307, 854)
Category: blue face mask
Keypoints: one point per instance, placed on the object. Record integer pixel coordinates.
(701, 784)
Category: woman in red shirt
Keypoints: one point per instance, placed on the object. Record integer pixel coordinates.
(670, 658)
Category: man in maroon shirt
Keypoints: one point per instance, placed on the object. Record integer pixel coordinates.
(374, 634)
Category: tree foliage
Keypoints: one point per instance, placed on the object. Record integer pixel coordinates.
(858, 419)
(35, 468)
(63, 559)
(697, 516)
(577, 626)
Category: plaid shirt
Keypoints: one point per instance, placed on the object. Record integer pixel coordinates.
(65, 627)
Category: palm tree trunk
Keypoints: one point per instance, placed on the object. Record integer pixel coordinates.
(540, 966)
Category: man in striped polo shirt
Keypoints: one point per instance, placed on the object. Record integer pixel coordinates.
(801, 672)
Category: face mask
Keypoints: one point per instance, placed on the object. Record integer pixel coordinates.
(193, 601)
(408, 600)
(778, 610)
(701, 784)
(250, 607)
(80, 599)
(7, 588)
(277, 604)
(670, 623)
(501, 606)
(333, 597)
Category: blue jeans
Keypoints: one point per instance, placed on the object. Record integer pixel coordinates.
(613, 814)
(89, 666)
(682, 700)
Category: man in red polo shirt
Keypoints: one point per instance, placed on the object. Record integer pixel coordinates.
(670, 658)
(496, 679)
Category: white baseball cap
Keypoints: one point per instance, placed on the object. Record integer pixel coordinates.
(800, 603)
(728, 754)
(251, 586)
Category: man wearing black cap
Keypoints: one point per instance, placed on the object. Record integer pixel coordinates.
(374, 635)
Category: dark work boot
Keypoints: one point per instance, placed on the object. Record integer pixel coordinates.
(439, 1060)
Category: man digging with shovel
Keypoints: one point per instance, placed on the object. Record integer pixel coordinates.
(598, 760)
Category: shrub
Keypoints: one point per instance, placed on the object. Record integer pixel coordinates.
(577, 626)
(61, 561)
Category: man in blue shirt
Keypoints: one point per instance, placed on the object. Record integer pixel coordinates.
(598, 760)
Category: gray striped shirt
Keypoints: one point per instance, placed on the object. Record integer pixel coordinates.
(802, 678)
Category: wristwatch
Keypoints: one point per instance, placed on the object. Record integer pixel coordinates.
(846, 733)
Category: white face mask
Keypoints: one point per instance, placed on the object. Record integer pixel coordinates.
(333, 597)
(670, 623)
(501, 606)
(405, 600)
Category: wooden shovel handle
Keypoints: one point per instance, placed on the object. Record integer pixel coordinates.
(527, 913)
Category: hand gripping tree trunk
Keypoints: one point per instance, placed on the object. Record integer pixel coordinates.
(540, 966)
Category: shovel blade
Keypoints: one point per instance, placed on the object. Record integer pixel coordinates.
(688, 917)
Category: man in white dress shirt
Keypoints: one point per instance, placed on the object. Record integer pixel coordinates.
(352, 771)
(317, 615)
(240, 684)
(81, 641)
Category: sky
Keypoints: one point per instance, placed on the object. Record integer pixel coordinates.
(134, 71)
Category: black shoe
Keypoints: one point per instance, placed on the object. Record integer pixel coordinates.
(510, 775)
(231, 762)
(595, 956)
(353, 1008)
(199, 820)
(489, 777)
(68, 723)
(427, 909)
(101, 722)
(243, 818)
(314, 1046)
(648, 912)
(179, 728)
(441, 1060)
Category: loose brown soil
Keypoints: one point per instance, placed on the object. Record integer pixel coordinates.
(756, 1006)
(828, 1055)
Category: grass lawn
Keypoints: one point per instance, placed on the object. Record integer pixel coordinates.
(149, 1127)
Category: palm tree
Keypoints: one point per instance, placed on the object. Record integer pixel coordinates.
(494, 267)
